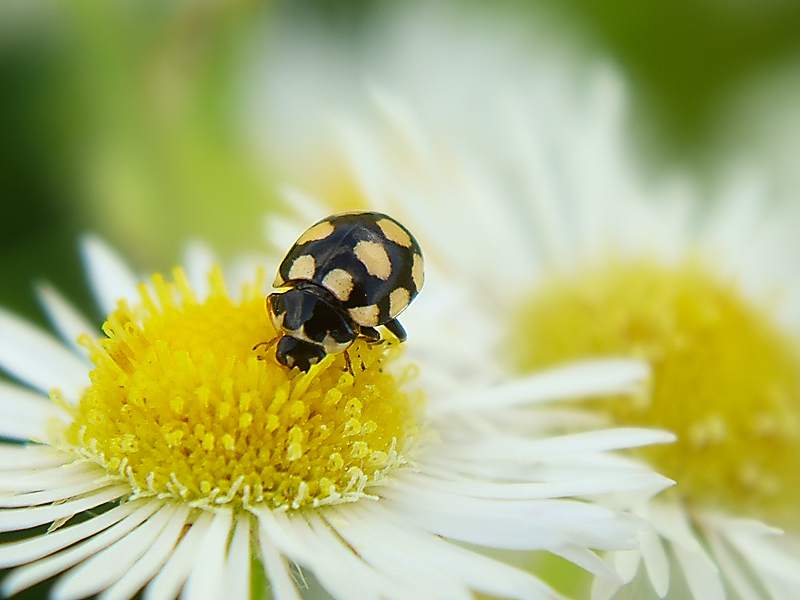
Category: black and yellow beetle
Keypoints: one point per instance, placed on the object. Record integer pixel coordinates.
(345, 276)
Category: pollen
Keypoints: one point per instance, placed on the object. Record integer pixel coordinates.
(726, 376)
(186, 402)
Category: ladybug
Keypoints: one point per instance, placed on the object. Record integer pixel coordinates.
(345, 276)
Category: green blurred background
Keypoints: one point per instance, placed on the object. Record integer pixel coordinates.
(121, 116)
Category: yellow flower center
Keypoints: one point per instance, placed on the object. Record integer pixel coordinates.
(181, 405)
(726, 379)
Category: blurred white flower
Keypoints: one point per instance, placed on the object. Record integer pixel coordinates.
(512, 167)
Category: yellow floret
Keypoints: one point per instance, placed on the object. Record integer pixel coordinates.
(182, 406)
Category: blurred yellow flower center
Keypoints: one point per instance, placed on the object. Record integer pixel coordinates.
(726, 380)
(182, 406)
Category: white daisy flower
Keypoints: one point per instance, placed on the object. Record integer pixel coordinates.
(169, 449)
(521, 185)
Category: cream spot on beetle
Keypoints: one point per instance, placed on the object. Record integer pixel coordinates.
(339, 282)
(394, 232)
(365, 315)
(276, 317)
(417, 275)
(303, 267)
(331, 346)
(375, 259)
(398, 300)
(316, 232)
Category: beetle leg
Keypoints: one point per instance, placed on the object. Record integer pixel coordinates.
(371, 334)
(267, 345)
(394, 326)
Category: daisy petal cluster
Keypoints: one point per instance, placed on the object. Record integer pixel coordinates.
(169, 452)
(613, 274)
(517, 177)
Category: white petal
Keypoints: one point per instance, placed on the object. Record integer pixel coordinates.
(559, 468)
(576, 381)
(400, 561)
(237, 564)
(239, 274)
(518, 525)
(69, 323)
(30, 549)
(742, 528)
(777, 567)
(375, 583)
(48, 496)
(542, 185)
(280, 535)
(701, 574)
(599, 484)
(280, 580)
(670, 521)
(198, 260)
(405, 123)
(108, 565)
(282, 232)
(769, 557)
(604, 588)
(545, 420)
(733, 225)
(605, 439)
(586, 560)
(110, 277)
(482, 220)
(655, 560)
(479, 572)
(307, 208)
(168, 582)
(23, 518)
(35, 480)
(24, 577)
(626, 563)
(30, 456)
(34, 357)
(503, 446)
(731, 567)
(207, 576)
(781, 588)
(335, 565)
(155, 556)
(363, 159)
(24, 414)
